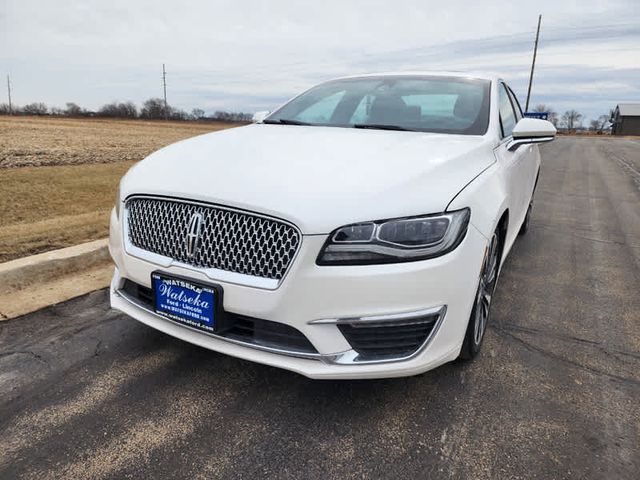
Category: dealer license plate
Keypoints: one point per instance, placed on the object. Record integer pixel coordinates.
(184, 301)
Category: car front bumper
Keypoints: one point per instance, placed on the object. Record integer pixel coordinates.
(312, 297)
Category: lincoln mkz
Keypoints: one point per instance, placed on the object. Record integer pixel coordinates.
(358, 231)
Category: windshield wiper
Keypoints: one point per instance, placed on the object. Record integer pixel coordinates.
(284, 121)
(379, 126)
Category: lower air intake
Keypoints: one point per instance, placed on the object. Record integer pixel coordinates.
(384, 341)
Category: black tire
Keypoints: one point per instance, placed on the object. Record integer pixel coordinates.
(481, 311)
(524, 228)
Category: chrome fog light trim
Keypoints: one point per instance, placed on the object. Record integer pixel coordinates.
(402, 318)
(352, 357)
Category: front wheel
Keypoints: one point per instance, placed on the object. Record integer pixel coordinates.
(482, 306)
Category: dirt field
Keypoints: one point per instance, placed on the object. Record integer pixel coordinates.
(69, 168)
(41, 141)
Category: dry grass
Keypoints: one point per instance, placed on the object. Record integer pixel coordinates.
(44, 208)
(68, 201)
(40, 141)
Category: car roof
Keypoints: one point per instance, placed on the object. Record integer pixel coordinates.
(476, 75)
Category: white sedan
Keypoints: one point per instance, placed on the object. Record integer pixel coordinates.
(356, 232)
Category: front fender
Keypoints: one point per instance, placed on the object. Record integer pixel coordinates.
(487, 198)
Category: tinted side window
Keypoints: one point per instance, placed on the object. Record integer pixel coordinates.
(516, 104)
(507, 115)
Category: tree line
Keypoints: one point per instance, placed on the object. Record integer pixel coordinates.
(571, 120)
(152, 109)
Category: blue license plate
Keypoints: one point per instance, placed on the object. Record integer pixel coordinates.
(184, 301)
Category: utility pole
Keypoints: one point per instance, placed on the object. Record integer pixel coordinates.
(9, 92)
(164, 86)
(533, 64)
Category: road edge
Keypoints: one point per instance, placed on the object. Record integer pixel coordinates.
(34, 282)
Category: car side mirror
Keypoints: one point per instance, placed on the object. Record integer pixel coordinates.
(258, 117)
(531, 130)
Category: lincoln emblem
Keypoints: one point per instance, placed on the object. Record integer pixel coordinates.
(194, 234)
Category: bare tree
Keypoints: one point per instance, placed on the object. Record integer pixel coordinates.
(108, 110)
(553, 115)
(4, 109)
(571, 119)
(154, 108)
(601, 123)
(128, 110)
(177, 114)
(119, 110)
(73, 109)
(197, 113)
(35, 108)
(232, 116)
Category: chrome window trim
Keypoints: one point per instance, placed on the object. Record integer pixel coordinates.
(215, 274)
(516, 142)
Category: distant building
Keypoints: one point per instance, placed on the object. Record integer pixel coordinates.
(538, 115)
(626, 119)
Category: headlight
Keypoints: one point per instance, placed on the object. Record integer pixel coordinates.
(397, 240)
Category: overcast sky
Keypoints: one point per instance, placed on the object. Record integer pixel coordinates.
(248, 55)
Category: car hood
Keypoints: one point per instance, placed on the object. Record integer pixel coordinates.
(319, 178)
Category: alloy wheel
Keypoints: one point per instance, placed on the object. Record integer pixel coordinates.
(488, 279)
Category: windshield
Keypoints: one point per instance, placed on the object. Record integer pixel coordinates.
(415, 103)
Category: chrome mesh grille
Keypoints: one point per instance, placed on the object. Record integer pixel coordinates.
(231, 240)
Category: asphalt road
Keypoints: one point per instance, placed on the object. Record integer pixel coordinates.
(88, 393)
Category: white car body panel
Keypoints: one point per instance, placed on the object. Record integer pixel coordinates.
(322, 178)
(318, 178)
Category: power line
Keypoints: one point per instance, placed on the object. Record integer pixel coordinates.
(533, 64)
(164, 86)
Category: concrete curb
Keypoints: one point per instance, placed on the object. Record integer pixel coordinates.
(44, 267)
